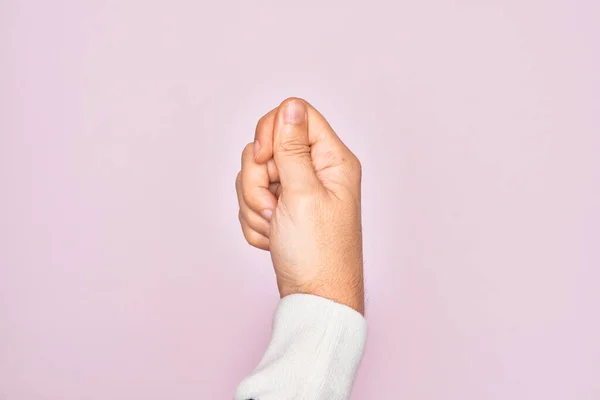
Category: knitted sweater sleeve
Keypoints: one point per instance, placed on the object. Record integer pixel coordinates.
(314, 352)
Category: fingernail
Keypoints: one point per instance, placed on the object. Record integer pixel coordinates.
(267, 214)
(295, 112)
(256, 148)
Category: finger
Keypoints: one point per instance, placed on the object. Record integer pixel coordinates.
(252, 237)
(263, 137)
(272, 171)
(259, 223)
(256, 222)
(292, 149)
(318, 128)
(255, 184)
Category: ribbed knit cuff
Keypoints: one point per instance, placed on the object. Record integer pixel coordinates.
(314, 353)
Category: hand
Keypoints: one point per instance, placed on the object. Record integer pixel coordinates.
(299, 196)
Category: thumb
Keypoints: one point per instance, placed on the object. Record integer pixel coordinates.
(292, 149)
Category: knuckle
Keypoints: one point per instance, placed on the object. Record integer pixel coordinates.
(238, 181)
(250, 220)
(294, 146)
(247, 232)
(248, 148)
(248, 151)
(250, 197)
(246, 194)
(250, 239)
(254, 238)
(261, 125)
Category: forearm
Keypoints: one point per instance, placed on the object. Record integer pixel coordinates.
(314, 353)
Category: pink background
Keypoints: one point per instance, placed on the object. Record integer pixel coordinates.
(124, 274)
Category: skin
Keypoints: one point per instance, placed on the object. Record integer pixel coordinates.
(299, 196)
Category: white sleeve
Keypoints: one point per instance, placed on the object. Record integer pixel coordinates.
(314, 353)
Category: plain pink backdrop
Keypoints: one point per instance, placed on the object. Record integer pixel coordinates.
(124, 274)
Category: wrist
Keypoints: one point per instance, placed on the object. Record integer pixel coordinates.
(349, 294)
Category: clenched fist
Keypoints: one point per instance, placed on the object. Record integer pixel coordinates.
(299, 196)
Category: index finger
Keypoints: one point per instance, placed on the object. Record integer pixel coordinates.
(263, 137)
